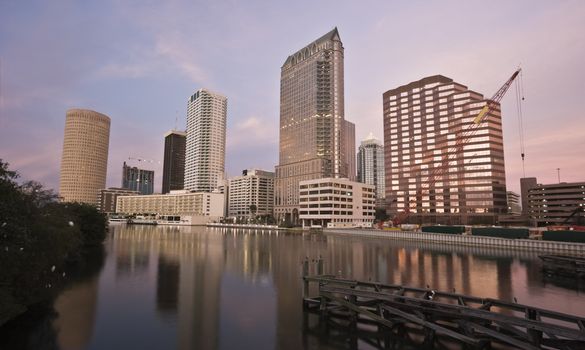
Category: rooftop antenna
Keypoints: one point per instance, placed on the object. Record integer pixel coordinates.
(559, 174)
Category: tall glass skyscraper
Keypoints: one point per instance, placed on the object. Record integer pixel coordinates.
(313, 130)
(436, 167)
(205, 148)
(370, 159)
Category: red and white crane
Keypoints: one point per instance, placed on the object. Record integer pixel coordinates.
(464, 138)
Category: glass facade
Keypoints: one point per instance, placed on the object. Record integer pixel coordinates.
(174, 161)
(440, 165)
(313, 132)
(370, 160)
(136, 179)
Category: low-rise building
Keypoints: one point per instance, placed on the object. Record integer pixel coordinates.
(555, 204)
(196, 208)
(253, 188)
(514, 207)
(333, 202)
(107, 198)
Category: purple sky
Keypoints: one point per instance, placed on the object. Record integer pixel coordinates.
(139, 61)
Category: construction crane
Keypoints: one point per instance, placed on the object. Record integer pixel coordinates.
(463, 139)
(144, 160)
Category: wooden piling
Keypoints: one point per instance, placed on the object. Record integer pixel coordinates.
(305, 280)
(470, 320)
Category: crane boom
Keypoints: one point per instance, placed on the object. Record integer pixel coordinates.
(496, 98)
(462, 139)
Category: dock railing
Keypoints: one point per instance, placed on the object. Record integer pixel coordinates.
(474, 321)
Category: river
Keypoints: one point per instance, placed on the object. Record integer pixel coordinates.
(211, 288)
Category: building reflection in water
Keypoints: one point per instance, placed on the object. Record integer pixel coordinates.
(167, 285)
(223, 288)
(132, 251)
(77, 310)
(76, 306)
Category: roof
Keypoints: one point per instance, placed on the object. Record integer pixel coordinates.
(332, 35)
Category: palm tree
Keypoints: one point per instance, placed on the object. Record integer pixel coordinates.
(253, 209)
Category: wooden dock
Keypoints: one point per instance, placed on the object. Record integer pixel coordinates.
(393, 310)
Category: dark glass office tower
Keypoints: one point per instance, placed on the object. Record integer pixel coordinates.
(174, 161)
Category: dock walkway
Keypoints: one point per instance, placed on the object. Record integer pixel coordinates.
(480, 241)
(393, 310)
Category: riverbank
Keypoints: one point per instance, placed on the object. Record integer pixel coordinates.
(36, 322)
(40, 238)
(467, 240)
(249, 226)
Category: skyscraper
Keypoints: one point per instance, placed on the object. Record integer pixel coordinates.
(136, 179)
(84, 161)
(370, 159)
(313, 131)
(349, 150)
(205, 148)
(436, 168)
(174, 161)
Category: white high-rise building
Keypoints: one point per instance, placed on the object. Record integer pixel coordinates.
(205, 149)
(254, 187)
(370, 170)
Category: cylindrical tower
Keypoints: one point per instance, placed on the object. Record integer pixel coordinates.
(85, 156)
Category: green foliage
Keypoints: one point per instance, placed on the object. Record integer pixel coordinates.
(92, 224)
(286, 224)
(266, 219)
(38, 235)
(381, 215)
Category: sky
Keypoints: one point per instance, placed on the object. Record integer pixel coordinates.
(139, 61)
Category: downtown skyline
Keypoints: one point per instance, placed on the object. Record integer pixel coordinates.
(139, 65)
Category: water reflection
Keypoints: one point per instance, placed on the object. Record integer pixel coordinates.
(76, 306)
(76, 309)
(167, 285)
(192, 287)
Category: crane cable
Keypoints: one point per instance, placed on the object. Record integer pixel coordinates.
(519, 99)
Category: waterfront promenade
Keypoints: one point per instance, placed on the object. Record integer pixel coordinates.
(467, 240)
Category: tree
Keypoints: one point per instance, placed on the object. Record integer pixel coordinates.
(39, 237)
(381, 214)
(253, 210)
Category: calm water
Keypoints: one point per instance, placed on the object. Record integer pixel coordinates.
(198, 288)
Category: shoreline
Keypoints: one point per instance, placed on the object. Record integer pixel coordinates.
(248, 226)
(466, 240)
